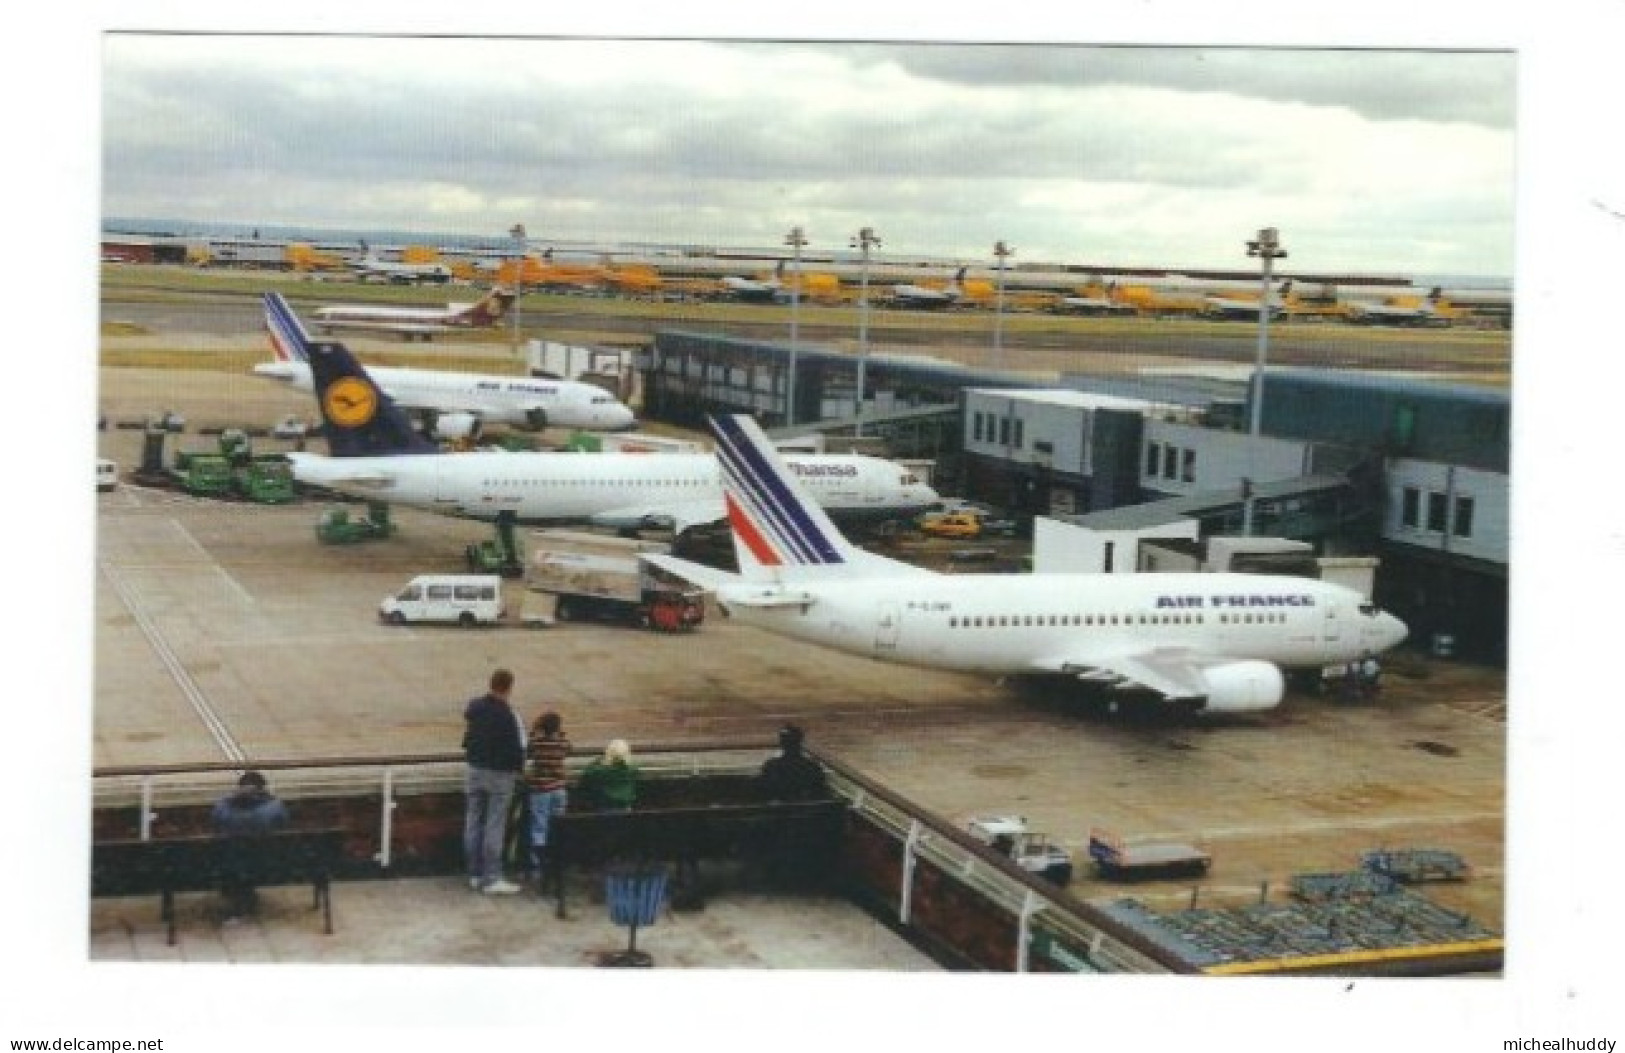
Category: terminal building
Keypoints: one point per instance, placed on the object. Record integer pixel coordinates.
(1414, 472)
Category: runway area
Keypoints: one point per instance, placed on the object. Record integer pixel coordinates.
(225, 631)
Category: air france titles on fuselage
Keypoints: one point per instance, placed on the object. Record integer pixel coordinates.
(1234, 600)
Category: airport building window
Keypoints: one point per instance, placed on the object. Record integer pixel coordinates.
(1170, 462)
(976, 426)
(1187, 466)
(1437, 509)
(1020, 430)
(1004, 431)
(1410, 508)
(1153, 457)
(1463, 526)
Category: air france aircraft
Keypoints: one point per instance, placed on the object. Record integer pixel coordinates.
(416, 323)
(460, 404)
(1214, 643)
(377, 456)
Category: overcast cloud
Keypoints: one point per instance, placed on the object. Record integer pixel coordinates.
(1366, 161)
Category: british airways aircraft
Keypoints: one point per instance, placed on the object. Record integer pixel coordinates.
(460, 404)
(1213, 643)
(376, 455)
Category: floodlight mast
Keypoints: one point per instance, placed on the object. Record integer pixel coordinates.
(864, 240)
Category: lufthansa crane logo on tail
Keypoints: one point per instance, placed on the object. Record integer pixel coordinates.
(350, 403)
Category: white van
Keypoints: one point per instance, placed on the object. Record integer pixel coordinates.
(467, 599)
(106, 474)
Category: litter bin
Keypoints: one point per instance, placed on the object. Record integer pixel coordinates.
(635, 897)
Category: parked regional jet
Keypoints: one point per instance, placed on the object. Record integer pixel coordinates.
(928, 297)
(1106, 303)
(416, 323)
(370, 268)
(375, 455)
(1424, 313)
(1215, 643)
(457, 405)
(756, 290)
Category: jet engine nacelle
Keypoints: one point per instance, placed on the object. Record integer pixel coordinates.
(453, 426)
(1243, 687)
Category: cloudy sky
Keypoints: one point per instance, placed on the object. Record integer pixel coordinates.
(1395, 161)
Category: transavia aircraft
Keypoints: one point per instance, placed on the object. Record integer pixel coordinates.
(1214, 643)
(376, 455)
(458, 404)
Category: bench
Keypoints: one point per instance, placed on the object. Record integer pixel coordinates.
(203, 864)
(784, 833)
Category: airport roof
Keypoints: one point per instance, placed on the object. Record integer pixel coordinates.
(1388, 383)
(1157, 513)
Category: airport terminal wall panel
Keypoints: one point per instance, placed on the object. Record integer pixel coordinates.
(1179, 460)
(1447, 508)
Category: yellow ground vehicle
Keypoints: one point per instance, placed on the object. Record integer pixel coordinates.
(952, 524)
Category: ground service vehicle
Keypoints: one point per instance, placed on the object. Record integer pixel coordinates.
(1115, 858)
(336, 527)
(966, 525)
(591, 577)
(463, 599)
(106, 474)
(1032, 852)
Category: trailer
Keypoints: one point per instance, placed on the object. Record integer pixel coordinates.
(1120, 860)
(1033, 852)
(591, 577)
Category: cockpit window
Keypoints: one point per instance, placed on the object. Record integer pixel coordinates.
(1369, 610)
(909, 479)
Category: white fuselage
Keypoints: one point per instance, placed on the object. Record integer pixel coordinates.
(580, 487)
(515, 401)
(1015, 624)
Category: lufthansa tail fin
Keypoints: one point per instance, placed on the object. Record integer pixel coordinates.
(358, 419)
(289, 340)
(780, 533)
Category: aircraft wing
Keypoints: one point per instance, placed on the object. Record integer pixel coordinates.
(708, 578)
(1170, 672)
(679, 515)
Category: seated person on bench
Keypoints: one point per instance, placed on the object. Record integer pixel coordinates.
(249, 812)
(792, 775)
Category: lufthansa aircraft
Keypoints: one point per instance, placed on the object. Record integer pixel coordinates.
(459, 404)
(416, 323)
(1214, 643)
(377, 456)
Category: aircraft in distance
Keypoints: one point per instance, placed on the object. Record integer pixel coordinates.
(1212, 643)
(1105, 302)
(376, 455)
(1230, 308)
(370, 268)
(927, 296)
(1425, 313)
(756, 290)
(416, 323)
(455, 405)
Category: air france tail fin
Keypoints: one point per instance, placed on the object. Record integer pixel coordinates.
(358, 419)
(780, 533)
(289, 340)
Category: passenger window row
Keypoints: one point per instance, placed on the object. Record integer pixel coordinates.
(1018, 621)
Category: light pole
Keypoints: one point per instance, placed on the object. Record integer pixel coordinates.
(865, 239)
(517, 232)
(796, 239)
(1267, 247)
(1002, 252)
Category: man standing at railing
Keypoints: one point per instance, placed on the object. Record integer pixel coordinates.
(495, 753)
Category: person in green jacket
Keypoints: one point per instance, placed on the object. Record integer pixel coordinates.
(610, 783)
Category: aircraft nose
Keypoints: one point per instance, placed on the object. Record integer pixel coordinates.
(1394, 631)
